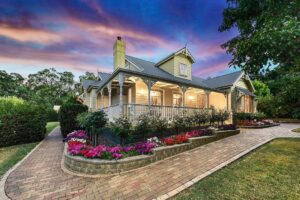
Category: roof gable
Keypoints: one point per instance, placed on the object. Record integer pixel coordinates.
(183, 50)
(224, 80)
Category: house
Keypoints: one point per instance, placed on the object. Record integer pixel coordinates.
(165, 88)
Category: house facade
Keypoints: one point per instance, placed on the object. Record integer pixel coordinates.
(164, 88)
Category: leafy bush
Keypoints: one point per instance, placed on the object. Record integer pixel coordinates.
(81, 119)
(179, 123)
(67, 117)
(123, 128)
(143, 125)
(96, 119)
(296, 113)
(242, 116)
(20, 122)
(223, 116)
(201, 117)
(52, 115)
(158, 124)
(214, 117)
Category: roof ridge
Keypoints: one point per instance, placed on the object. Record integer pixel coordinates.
(224, 75)
(140, 59)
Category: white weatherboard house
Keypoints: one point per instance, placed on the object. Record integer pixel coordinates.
(166, 87)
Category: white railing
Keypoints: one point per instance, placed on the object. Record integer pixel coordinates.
(133, 111)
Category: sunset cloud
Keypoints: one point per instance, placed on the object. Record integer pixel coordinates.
(79, 35)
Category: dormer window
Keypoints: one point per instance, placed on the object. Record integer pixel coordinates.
(183, 69)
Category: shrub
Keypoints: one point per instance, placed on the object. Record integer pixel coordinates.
(96, 119)
(52, 115)
(201, 117)
(81, 119)
(158, 125)
(223, 116)
(213, 116)
(123, 128)
(296, 113)
(67, 117)
(179, 123)
(20, 122)
(143, 125)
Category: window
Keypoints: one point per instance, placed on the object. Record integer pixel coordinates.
(177, 100)
(156, 98)
(183, 71)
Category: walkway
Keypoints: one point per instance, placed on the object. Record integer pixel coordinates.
(40, 175)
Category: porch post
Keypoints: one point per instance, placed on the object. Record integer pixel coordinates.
(109, 93)
(149, 83)
(102, 101)
(244, 103)
(183, 90)
(121, 93)
(207, 93)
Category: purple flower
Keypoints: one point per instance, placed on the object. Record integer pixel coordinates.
(117, 155)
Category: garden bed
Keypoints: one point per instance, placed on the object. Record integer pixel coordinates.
(96, 166)
(258, 126)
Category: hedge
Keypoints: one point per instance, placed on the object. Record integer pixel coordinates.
(20, 123)
(67, 117)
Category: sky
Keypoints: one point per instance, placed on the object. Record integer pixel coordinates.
(78, 35)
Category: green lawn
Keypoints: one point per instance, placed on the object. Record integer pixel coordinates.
(297, 130)
(50, 126)
(9, 156)
(271, 172)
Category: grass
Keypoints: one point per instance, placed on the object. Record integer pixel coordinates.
(9, 156)
(297, 130)
(50, 126)
(271, 172)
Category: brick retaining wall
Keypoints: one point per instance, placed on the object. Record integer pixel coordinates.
(99, 166)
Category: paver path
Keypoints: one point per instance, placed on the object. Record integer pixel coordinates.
(40, 175)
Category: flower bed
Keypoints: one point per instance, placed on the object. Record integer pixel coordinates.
(257, 124)
(144, 153)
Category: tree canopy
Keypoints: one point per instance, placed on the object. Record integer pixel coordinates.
(269, 34)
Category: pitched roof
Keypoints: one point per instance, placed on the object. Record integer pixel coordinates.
(224, 80)
(175, 53)
(150, 69)
(97, 83)
(245, 91)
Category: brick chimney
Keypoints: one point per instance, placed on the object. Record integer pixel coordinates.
(119, 53)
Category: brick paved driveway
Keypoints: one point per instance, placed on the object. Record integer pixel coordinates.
(40, 175)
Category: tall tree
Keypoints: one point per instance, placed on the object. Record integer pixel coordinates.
(269, 34)
(12, 85)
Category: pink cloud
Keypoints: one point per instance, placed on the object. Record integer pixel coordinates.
(29, 35)
(212, 69)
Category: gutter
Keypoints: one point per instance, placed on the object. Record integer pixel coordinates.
(116, 72)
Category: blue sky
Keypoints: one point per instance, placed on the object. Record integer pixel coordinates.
(78, 35)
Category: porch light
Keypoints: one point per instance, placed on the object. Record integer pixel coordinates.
(191, 97)
(142, 92)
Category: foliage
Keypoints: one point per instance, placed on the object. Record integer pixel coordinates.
(285, 98)
(223, 115)
(261, 89)
(268, 105)
(96, 119)
(20, 122)
(158, 124)
(269, 33)
(248, 116)
(67, 117)
(143, 125)
(296, 113)
(123, 128)
(201, 117)
(52, 115)
(12, 85)
(81, 119)
(179, 123)
(214, 117)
